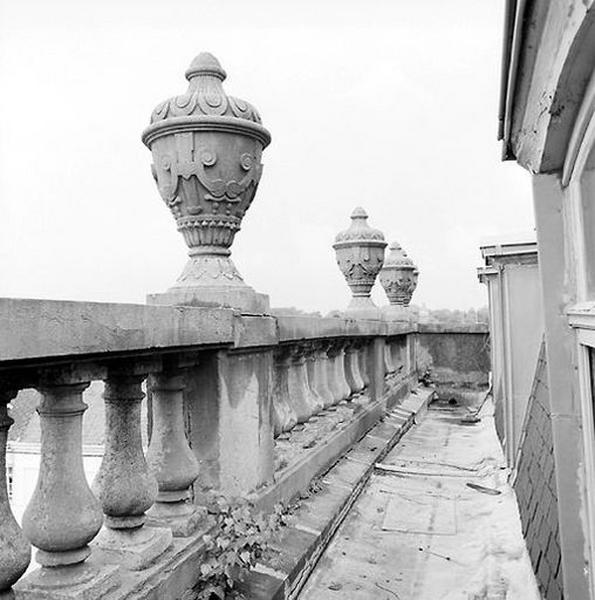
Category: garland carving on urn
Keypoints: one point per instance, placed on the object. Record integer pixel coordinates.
(398, 277)
(207, 149)
(360, 255)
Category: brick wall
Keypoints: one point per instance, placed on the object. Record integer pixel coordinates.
(535, 487)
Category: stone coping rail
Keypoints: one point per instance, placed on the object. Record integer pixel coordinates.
(453, 328)
(42, 329)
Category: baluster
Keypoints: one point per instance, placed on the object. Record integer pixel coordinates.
(352, 374)
(171, 459)
(63, 515)
(393, 354)
(338, 384)
(123, 483)
(320, 368)
(411, 356)
(284, 416)
(15, 552)
(297, 385)
(335, 384)
(341, 377)
(397, 356)
(312, 376)
(389, 366)
(363, 362)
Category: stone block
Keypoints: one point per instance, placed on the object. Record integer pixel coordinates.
(244, 299)
(181, 525)
(228, 397)
(262, 586)
(134, 549)
(316, 512)
(90, 580)
(346, 473)
(50, 328)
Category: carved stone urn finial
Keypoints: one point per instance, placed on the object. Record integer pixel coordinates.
(360, 254)
(399, 279)
(206, 149)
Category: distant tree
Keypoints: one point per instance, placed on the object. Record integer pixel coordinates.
(457, 316)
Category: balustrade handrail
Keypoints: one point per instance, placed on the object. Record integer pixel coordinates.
(54, 331)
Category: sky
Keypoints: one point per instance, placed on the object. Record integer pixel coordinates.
(386, 104)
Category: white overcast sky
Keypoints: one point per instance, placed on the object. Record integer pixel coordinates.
(391, 105)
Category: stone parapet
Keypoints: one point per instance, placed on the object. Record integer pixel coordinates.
(44, 329)
(453, 328)
(296, 328)
(230, 395)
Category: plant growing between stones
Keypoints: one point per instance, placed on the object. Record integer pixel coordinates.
(426, 378)
(240, 537)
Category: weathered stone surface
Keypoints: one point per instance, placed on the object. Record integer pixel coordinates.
(134, 548)
(229, 398)
(295, 328)
(284, 415)
(124, 485)
(48, 328)
(398, 277)
(207, 149)
(318, 373)
(453, 328)
(90, 580)
(360, 254)
(15, 552)
(244, 298)
(363, 361)
(302, 401)
(252, 331)
(170, 458)
(461, 357)
(338, 385)
(63, 516)
(352, 367)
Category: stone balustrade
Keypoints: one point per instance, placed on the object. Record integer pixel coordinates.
(240, 401)
(223, 387)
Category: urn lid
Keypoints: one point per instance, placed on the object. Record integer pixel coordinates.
(359, 231)
(397, 259)
(205, 100)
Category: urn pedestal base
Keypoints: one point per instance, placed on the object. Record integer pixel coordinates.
(363, 308)
(213, 281)
(246, 301)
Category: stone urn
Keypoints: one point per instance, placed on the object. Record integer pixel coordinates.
(207, 149)
(398, 277)
(360, 254)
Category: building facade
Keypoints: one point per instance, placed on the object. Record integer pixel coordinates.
(511, 275)
(547, 126)
(521, 397)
